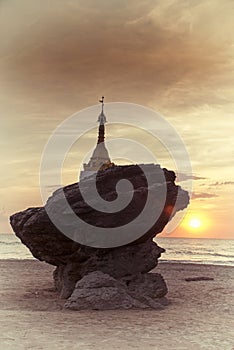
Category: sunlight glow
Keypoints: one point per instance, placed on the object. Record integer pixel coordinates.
(195, 223)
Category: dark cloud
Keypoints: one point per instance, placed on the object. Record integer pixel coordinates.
(130, 51)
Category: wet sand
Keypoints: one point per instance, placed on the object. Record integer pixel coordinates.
(199, 316)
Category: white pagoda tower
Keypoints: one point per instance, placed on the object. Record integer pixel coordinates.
(100, 158)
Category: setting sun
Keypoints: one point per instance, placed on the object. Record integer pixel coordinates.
(195, 223)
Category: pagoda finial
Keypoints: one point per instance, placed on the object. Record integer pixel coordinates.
(102, 102)
(102, 118)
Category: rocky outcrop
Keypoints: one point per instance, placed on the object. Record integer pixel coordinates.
(73, 260)
(99, 291)
(118, 262)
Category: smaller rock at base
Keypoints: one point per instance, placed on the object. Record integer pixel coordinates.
(99, 291)
(146, 285)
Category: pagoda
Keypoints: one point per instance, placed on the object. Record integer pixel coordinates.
(100, 159)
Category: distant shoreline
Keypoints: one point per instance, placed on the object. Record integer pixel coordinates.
(218, 252)
(159, 236)
(160, 262)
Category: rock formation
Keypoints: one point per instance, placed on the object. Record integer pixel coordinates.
(126, 266)
(99, 291)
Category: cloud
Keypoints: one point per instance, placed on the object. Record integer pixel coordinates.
(53, 187)
(184, 177)
(203, 195)
(222, 183)
(141, 52)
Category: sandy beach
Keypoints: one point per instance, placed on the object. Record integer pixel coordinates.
(199, 316)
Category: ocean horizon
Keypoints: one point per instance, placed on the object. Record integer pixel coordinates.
(184, 250)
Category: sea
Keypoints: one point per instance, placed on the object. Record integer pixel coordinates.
(186, 250)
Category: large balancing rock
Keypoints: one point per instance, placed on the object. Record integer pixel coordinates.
(74, 260)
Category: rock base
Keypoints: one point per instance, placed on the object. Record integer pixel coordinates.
(118, 263)
(100, 291)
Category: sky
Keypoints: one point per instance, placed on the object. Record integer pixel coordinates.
(173, 56)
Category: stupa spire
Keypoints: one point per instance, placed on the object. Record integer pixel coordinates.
(102, 121)
(102, 117)
(102, 102)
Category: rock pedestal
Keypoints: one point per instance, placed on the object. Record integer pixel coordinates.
(99, 291)
(125, 267)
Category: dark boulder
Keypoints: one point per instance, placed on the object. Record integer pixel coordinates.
(74, 260)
